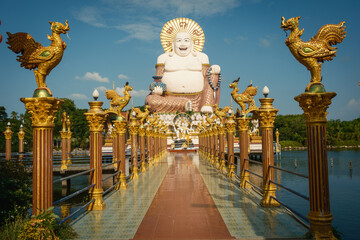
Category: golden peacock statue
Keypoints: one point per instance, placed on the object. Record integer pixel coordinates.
(36, 57)
(221, 114)
(140, 115)
(317, 50)
(117, 102)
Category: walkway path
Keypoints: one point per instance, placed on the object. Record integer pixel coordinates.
(183, 197)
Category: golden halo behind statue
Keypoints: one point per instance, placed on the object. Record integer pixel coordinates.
(172, 27)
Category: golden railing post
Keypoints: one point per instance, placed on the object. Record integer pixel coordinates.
(21, 135)
(96, 119)
(156, 144)
(115, 146)
(211, 145)
(267, 115)
(64, 144)
(243, 126)
(42, 110)
(121, 128)
(216, 146)
(149, 144)
(142, 131)
(230, 129)
(68, 148)
(221, 129)
(314, 106)
(133, 127)
(8, 134)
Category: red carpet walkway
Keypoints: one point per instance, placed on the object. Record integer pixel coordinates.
(182, 207)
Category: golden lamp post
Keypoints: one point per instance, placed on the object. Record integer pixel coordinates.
(267, 115)
(96, 119)
(8, 134)
(21, 135)
(134, 127)
(68, 141)
(63, 134)
(42, 108)
(230, 129)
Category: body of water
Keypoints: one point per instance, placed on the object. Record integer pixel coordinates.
(344, 184)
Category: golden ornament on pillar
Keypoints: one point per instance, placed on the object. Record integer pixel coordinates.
(121, 129)
(8, 133)
(246, 97)
(21, 134)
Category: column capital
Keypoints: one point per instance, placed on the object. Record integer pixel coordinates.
(314, 105)
(230, 125)
(63, 134)
(142, 131)
(8, 133)
(42, 110)
(21, 134)
(243, 123)
(120, 126)
(133, 126)
(221, 129)
(95, 116)
(267, 113)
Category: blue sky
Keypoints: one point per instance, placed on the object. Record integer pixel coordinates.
(119, 40)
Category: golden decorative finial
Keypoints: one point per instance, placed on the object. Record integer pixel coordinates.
(317, 50)
(34, 55)
(140, 115)
(245, 97)
(113, 85)
(63, 120)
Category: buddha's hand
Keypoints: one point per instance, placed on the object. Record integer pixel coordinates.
(157, 90)
(206, 109)
(215, 69)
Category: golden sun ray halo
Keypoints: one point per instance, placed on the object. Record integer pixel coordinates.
(172, 27)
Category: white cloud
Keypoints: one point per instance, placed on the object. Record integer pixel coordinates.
(90, 15)
(101, 88)
(122, 76)
(354, 104)
(94, 76)
(78, 96)
(265, 42)
(140, 31)
(133, 93)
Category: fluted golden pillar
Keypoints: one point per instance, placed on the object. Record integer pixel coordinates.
(221, 129)
(142, 131)
(64, 145)
(211, 145)
(42, 110)
(216, 146)
(8, 134)
(156, 144)
(314, 106)
(68, 148)
(267, 115)
(243, 126)
(149, 144)
(21, 135)
(133, 127)
(96, 119)
(121, 127)
(230, 129)
(277, 134)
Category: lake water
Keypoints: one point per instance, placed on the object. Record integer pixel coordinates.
(344, 187)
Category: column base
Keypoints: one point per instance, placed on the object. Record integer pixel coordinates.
(243, 178)
(267, 201)
(63, 166)
(135, 173)
(143, 167)
(320, 226)
(123, 184)
(68, 161)
(99, 203)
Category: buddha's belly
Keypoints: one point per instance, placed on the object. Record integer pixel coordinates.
(183, 81)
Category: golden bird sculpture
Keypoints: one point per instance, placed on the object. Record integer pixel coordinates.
(221, 114)
(140, 115)
(117, 103)
(317, 50)
(246, 97)
(36, 57)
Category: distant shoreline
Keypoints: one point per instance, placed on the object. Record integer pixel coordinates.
(328, 147)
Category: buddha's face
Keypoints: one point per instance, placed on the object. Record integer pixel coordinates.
(183, 44)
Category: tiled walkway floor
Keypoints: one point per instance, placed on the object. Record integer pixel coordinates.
(172, 200)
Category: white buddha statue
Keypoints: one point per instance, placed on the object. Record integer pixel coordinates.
(184, 70)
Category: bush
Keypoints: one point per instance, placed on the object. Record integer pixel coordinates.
(288, 143)
(15, 194)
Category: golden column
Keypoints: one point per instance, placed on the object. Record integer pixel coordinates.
(230, 129)
(142, 131)
(133, 127)
(221, 129)
(96, 119)
(267, 115)
(243, 126)
(149, 144)
(121, 128)
(42, 110)
(115, 148)
(314, 106)
(156, 144)
(21, 135)
(8, 134)
(211, 144)
(277, 134)
(216, 146)
(64, 144)
(69, 133)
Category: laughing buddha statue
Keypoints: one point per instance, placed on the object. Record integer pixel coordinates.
(184, 79)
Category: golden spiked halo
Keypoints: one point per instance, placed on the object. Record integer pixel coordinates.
(172, 27)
